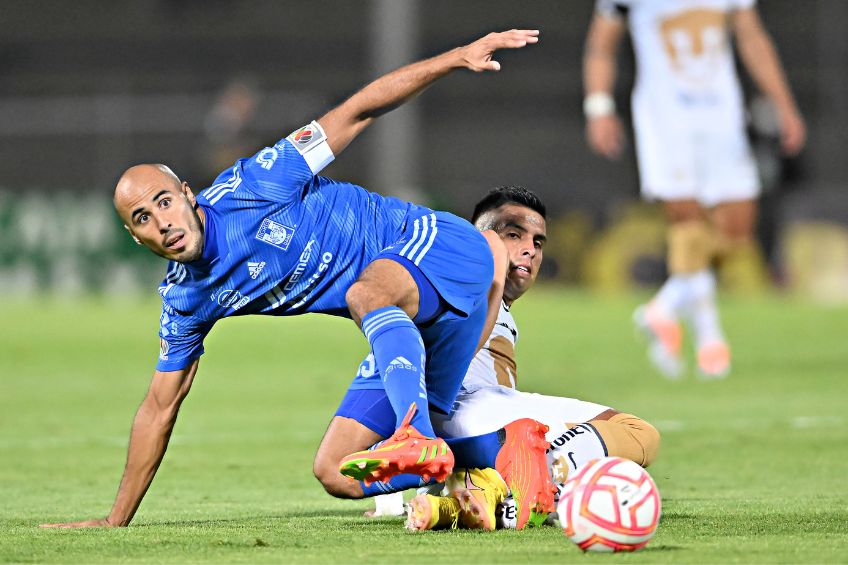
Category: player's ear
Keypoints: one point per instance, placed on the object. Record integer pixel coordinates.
(132, 235)
(189, 194)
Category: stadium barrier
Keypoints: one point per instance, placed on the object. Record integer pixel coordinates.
(69, 243)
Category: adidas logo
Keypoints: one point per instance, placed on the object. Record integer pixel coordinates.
(255, 268)
(400, 363)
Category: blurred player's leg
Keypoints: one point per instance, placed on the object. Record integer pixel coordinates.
(740, 261)
(688, 255)
(713, 353)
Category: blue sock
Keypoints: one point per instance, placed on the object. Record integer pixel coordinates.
(476, 452)
(395, 484)
(399, 355)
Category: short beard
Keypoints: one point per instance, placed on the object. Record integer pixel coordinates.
(198, 252)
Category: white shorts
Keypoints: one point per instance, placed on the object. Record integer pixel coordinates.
(711, 166)
(489, 409)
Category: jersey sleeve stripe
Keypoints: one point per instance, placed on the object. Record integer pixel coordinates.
(429, 241)
(424, 231)
(412, 239)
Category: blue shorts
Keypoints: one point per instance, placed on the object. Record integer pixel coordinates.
(452, 254)
(371, 408)
(456, 259)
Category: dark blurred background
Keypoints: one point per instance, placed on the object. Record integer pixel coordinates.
(90, 87)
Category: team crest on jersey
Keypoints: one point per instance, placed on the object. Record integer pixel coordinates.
(306, 138)
(276, 234)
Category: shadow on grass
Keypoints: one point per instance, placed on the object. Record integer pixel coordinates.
(660, 548)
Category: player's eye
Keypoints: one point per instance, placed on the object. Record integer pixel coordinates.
(142, 218)
(513, 235)
(165, 203)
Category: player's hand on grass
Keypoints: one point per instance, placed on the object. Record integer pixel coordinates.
(606, 136)
(102, 523)
(477, 56)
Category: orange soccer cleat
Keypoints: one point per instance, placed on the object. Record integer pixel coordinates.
(407, 451)
(714, 360)
(665, 337)
(524, 467)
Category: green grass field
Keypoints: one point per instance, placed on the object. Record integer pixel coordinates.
(752, 470)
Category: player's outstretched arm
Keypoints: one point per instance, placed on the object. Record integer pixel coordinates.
(760, 58)
(151, 431)
(343, 123)
(604, 131)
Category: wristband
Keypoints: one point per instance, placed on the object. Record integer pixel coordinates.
(598, 105)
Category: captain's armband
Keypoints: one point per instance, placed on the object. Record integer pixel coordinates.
(311, 142)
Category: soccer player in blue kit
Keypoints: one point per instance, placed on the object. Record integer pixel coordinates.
(271, 237)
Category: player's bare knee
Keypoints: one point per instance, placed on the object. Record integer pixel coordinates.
(334, 483)
(363, 297)
(356, 299)
(683, 211)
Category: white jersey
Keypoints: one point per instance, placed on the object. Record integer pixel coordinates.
(688, 112)
(495, 363)
(684, 57)
(488, 399)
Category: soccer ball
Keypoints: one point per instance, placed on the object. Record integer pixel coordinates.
(611, 504)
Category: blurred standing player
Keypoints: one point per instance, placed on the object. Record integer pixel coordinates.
(691, 147)
(271, 237)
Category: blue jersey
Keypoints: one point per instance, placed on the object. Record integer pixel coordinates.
(278, 240)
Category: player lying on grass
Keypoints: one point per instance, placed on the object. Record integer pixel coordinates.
(488, 399)
(271, 237)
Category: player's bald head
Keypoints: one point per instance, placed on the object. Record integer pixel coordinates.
(140, 177)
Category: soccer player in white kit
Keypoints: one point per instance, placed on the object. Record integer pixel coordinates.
(693, 154)
(579, 431)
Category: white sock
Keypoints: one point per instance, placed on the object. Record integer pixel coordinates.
(389, 505)
(702, 312)
(673, 296)
(572, 449)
